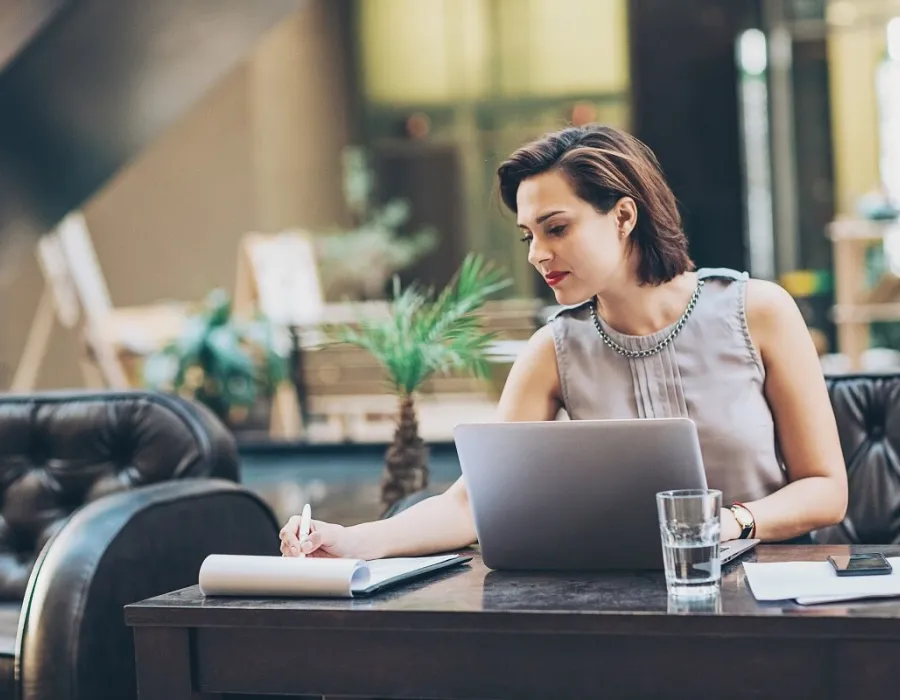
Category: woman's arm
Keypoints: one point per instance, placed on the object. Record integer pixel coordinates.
(804, 422)
(444, 522)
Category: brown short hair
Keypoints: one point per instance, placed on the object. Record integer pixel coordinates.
(603, 165)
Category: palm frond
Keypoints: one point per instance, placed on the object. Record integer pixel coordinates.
(422, 336)
(471, 287)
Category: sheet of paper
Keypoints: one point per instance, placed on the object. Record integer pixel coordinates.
(245, 575)
(381, 570)
(817, 581)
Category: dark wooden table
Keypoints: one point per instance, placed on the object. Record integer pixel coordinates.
(476, 633)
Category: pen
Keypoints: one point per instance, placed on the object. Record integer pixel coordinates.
(305, 518)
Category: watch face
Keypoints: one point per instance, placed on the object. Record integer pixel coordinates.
(741, 516)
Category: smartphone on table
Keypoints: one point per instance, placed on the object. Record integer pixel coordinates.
(860, 565)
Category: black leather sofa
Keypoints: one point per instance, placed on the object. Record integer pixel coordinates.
(107, 498)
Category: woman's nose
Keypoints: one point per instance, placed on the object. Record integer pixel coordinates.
(538, 252)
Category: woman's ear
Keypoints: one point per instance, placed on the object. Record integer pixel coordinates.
(626, 216)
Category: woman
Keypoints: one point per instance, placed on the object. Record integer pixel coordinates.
(655, 338)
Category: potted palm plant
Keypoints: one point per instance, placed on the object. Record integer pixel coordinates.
(423, 335)
(230, 364)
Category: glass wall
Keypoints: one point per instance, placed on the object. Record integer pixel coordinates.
(834, 92)
(450, 87)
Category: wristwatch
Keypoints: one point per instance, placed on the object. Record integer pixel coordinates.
(744, 518)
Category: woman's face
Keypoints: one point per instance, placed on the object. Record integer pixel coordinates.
(577, 250)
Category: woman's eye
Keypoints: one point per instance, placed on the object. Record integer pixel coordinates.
(526, 239)
(558, 230)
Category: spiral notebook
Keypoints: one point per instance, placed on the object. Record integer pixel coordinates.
(313, 577)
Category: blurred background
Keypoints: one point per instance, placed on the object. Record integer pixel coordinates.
(169, 169)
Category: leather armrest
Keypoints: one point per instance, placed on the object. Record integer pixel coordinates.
(73, 641)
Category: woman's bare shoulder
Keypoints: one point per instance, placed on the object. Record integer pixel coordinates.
(766, 299)
(538, 356)
(773, 316)
(532, 391)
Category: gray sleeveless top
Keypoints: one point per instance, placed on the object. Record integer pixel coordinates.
(710, 373)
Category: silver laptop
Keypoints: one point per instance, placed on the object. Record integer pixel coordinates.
(579, 494)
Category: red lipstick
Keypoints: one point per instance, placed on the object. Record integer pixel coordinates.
(555, 277)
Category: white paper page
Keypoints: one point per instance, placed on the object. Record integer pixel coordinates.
(381, 570)
(243, 575)
(816, 580)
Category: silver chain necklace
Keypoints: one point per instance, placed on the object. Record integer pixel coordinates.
(662, 343)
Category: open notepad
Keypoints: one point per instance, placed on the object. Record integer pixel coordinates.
(813, 582)
(244, 575)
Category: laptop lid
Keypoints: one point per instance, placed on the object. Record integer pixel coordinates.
(575, 495)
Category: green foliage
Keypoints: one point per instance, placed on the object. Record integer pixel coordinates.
(220, 360)
(358, 262)
(424, 335)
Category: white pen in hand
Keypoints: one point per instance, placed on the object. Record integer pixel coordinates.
(305, 519)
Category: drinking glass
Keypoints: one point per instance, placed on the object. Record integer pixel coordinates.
(690, 525)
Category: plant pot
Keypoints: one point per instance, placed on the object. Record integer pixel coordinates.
(253, 424)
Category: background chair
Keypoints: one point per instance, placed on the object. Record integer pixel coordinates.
(867, 408)
(107, 498)
(113, 339)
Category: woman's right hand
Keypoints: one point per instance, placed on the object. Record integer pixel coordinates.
(324, 540)
(437, 524)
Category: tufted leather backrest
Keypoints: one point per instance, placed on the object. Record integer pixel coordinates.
(867, 409)
(59, 451)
